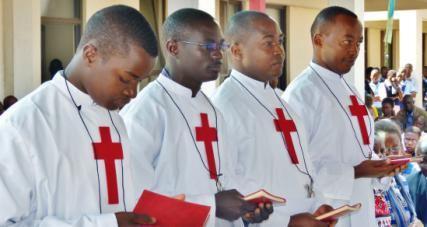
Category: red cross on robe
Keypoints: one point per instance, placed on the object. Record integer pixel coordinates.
(109, 152)
(285, 127)
(360, 112)
(208, 135)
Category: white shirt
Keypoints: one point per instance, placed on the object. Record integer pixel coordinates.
(376, 89)
(158, 129)
(410, 85)
(260, 154)
(335, 141)
(48, 172)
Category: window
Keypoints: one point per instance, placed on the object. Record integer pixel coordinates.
(155, 13)
(60, 30)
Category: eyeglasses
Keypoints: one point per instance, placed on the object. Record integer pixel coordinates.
(393, 149)
(211, 47)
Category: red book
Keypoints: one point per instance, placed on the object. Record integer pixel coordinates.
(262, 196)
(171, 212)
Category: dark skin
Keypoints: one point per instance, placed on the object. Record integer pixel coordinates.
(260, 55)
(191, 65)
(336, 46)
(387, 110)
(111, 82)
(408, 103)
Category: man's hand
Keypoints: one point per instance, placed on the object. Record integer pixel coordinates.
(261, 213)
(323, 210)
(129, 219)
(231, 206)
(376, 168)
(306, 219)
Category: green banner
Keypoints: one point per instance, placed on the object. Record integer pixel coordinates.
(389, 28)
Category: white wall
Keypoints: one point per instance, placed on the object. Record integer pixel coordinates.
(2, 93)
(299, 49)
(21, 46)
(374, 47)
(91, 6)
(396, 50)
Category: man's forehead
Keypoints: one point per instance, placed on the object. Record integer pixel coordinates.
(205, 32)
(346, 25)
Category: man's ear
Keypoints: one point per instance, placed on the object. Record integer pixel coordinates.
(236, 51)
(172, 47)
(318, 40)
(90, 53)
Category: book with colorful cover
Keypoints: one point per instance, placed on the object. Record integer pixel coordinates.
(170, 211)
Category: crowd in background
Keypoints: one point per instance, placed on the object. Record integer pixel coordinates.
(400, 128)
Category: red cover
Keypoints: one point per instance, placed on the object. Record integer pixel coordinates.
(171, 212)
(400, 161)
(260, 200)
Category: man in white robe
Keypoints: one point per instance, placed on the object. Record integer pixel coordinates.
(65, 155)
(269, 138)
(339, 128)
(178, 130)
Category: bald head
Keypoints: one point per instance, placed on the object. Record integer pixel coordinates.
(327, 17)
(180, 24)
(242, 24)
(115, 28)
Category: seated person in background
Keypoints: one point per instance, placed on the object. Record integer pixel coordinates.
(410, 139)
(54, 66)
(9, 101)
(418, 185)
(372, 109)
(407, 115)
(420, 123)
(375, 86)
(390, 88)
(402, 209)
(387, 106)
(382, 209)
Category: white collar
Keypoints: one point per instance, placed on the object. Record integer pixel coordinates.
(81, 98)
(175, 87)
(251, 84)
(325, 73)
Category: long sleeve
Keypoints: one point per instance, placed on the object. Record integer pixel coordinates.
(19, 203)
(334, 179)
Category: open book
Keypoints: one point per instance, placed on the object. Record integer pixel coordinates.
(263, 196)
(339, 212)
(170, 211)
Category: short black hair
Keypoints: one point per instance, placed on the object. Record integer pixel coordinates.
(240, 24)
(413, 129)
(181, 21)
(388, 100)
(406, 97)
(54, 66)
(117, 27)
(328, 15)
